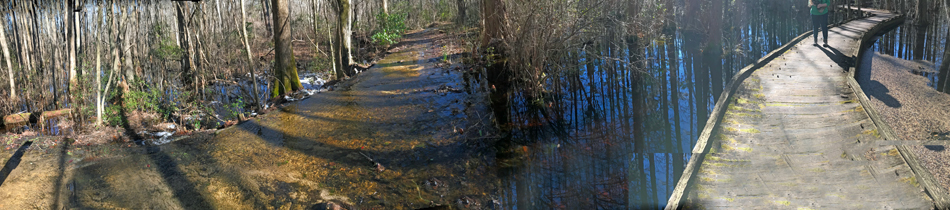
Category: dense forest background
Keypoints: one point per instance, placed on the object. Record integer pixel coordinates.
(184, 61)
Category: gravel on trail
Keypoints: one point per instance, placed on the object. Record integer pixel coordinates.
(914, 110)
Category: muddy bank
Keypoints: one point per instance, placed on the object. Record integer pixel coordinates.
(913, 108)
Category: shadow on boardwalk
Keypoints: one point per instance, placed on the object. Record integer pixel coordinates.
(794, 135)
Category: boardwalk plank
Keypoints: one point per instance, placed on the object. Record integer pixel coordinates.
(793, 135)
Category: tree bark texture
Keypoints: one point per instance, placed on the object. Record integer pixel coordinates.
(344, 41)
(6, 56)
(248, 52)
(285, 69)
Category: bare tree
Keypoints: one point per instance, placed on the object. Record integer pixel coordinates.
(285, 69)
(73, 81)
(333, 53)
(493, 20)
(460, 17)
(343, 56)
(247, 48)
(100, 92)
(6, 56)
(188, 78)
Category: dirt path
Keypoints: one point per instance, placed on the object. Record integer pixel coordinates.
(401, 135)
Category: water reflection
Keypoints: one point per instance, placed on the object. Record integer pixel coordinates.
(611, 137)
(922, 37)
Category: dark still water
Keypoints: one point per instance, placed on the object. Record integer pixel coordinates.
(607, 137)
(923, 37)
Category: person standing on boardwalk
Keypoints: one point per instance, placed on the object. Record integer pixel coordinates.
(819, 18)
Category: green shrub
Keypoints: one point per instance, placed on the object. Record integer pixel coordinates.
(390, 28)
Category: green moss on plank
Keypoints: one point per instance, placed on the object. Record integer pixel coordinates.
(911, 180)
(784, 203)
(784, 104)
(872, 132)
(749, 130)
(893, 152)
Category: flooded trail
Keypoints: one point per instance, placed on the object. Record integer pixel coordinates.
(401, 135)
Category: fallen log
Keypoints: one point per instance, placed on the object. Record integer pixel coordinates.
(16, 118)
(21, 118)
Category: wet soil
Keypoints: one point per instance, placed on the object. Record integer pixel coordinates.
(913, 109)
(402, 135)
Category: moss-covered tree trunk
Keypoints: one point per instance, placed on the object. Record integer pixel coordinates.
(285, 67)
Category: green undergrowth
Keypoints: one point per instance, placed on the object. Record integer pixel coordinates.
(390, 28)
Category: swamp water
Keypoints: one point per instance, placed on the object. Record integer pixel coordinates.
(408, 135)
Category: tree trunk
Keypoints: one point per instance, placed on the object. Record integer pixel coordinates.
(460, 18)
(942, 84)
(73, 82)
(344, 41)
(187, 65)
(250, 59)
(266, 13)
(493, 21)
(386, 6)
(6, 56)
(713, 51)
(285, 68)
(333, 53)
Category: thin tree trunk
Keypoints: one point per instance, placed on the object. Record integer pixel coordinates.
(250, 59)
(73, 80)
(386, 6)
(6, 56)
(333, 53)
(460, 18)
(942, 84)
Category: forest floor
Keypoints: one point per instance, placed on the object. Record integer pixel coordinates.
(411, 132)
(915, 110)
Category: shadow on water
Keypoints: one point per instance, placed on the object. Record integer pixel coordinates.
(921, 38)
(13, 162)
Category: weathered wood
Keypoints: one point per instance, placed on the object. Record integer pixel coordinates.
(937, 193)
(56, 113)
(702, 144)
(14, 119)
(770, 145)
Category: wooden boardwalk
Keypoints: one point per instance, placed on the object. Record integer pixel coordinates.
(792, 133)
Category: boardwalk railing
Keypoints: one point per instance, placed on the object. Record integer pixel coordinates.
(926, 180)
(713, 125)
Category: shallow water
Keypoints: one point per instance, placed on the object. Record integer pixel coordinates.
(407, 134)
